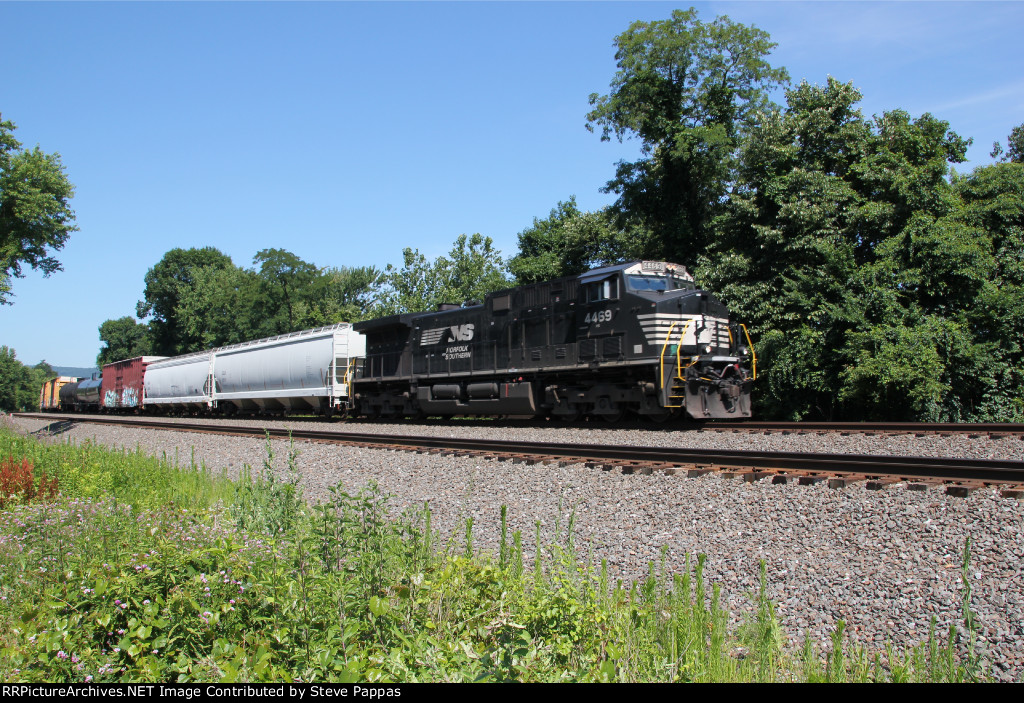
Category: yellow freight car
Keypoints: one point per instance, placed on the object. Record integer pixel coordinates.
(49, 396)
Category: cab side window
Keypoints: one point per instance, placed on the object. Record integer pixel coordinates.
(608, 289)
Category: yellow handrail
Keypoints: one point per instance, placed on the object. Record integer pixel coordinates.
(679, 351)
(753, 354)
(348, 371)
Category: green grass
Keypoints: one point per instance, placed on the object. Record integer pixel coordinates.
(151, 569)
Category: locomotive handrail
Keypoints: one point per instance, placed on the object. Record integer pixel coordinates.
(679, 351)
(661, 359)
(349, 370)
(753, 354)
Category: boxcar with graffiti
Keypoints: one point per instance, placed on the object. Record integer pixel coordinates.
(122, 386)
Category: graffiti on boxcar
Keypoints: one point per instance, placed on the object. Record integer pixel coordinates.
(130, 398)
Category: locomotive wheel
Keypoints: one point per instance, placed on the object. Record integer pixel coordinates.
(614, 418)
(571, 417)
(392, 414)
(663, 417)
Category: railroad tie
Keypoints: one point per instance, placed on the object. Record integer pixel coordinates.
(698, 471)
(962, 489)
(844, 481)
(743, 472)
(877, 483)
(810, 478)
(923, 484)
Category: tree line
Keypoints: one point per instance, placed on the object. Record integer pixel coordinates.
(197, 299)
(877, 281)
(20, 385)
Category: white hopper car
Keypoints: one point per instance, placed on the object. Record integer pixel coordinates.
(307, 371)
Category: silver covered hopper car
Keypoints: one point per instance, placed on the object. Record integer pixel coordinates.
(306, 371)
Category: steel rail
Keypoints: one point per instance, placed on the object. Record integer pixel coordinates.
(1001, 471)
(790, 427)
(900, 427)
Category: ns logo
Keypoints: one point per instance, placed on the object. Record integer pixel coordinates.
(461, 333)
(455, 333)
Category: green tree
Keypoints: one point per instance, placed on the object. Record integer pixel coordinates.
(993, 203)
(285, 280)
(345, 294)
(570, 241)
(124, 338)
(226, 306)
(20, 385)
(784, 249)
(1015, 149)
(166, 283)
(45, 370)
(841, 247)
(35, 215)
(198, 299)
(688, 90)
(472, 269)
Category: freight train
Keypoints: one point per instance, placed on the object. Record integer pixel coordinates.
(307, 371)
(636, 338)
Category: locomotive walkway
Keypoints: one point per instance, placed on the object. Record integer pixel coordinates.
(957, 476)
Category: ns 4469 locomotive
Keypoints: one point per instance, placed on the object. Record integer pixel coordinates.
(636, 337)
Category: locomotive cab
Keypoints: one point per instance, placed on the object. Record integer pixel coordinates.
(651, 312)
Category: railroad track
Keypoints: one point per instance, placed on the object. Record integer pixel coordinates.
(992, 430)
(957, 476)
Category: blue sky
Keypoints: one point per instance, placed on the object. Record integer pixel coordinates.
(344, 132)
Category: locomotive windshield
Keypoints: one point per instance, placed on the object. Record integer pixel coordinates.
(636, 283)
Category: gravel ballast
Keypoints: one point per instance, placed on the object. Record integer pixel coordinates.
(886, 562)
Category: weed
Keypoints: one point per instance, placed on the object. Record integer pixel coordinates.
(179, 575)
(18, 483)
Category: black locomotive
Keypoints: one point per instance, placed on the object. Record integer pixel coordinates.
(633, 337)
